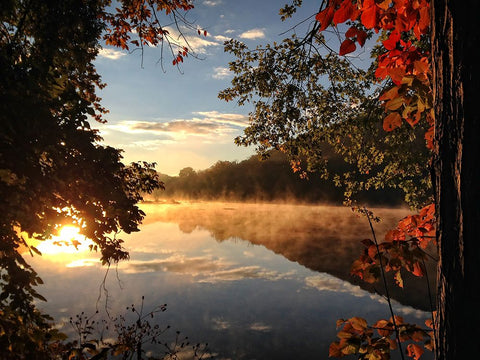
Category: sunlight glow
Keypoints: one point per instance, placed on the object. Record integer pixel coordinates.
(68, 241)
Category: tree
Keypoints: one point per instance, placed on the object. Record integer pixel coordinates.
(53, 168)
(407, 47)
(456, 80)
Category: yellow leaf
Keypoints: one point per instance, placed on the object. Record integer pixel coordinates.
(395, 103)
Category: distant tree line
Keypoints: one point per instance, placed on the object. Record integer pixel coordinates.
(271, 180)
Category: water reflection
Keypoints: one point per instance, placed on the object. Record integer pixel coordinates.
(255, 281)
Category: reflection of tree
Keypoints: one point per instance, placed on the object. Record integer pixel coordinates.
(313, 236)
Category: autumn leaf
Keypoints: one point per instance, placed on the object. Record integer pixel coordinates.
(391, 42)
(325, 18)
(398, 279)
(344, 12)
(392, 121)
(358, 323)
(369, 14)
(389, 94)
(415, 351)
(347, 47)
(394, 103)
(361, 37)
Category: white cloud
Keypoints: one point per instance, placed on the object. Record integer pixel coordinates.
(212, 2)
(111, 54)
(224, 118)
(221, 38)
(221, 73)
(198, 43)
(253, 34)
(229, 31)
(206, 124)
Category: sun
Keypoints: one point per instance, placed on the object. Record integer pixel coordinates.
(69, 232)
(68, 241)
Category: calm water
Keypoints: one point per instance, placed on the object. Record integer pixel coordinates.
(254, 281)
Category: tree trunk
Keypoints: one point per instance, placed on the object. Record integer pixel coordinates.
(456, 82)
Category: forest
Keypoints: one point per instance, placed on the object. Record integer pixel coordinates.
(268, 180)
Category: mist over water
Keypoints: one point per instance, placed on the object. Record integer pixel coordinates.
(263, 281)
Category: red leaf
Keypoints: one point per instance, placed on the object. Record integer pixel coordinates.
(361, 37)
(391, 42)
(325, 18)
(347, 47)
(344, 12)
(369, 15)
(351, 32)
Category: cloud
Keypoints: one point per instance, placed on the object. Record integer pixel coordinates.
(197, 43)
(212, 2)
(224, 118)
(111, 54)
(221, 73)
(221, 38)
(253, 34)
(206, 124)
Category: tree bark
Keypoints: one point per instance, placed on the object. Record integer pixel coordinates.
(456, 83)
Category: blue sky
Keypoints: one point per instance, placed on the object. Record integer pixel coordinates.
(175, 119)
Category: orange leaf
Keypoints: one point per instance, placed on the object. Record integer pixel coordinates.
(358, 323)
(392, 121)
(389, 94)
(347, 47)
(415, 351)
(417, 269)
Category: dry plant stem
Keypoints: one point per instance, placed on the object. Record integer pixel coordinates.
(387, 293)
(429, 297)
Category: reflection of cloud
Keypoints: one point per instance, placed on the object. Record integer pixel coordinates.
(111, 54)
(220, 324)
(258, 326)
(326, 282)
(207, 269)
(83, 263)
(221, 72)
(246, 272)
(178, 264)
(253, 34)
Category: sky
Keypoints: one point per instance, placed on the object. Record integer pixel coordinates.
(159, 114)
